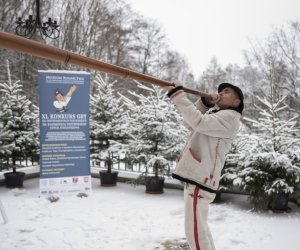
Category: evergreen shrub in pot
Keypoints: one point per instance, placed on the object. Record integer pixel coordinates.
(108, 130)
(269, 180)
(268, 163)
(156, 135)
(18, 128)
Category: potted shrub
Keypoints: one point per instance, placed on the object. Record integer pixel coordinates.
(18, 127)
(155, 184)
(268, 164)
(153, 173)
(108, 177)
(269, 180)
(108, 129)
(156, 136)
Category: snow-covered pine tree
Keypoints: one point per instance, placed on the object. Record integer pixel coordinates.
(269, 160)
(4, 136)
(108, 128)
(19, 121)
(231, 167)
(233, 158)
(156, 130)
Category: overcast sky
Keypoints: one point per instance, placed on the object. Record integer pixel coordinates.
(201, 29)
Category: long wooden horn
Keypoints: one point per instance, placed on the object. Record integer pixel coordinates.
(28, 46)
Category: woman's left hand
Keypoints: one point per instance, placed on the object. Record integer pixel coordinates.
(168, 88)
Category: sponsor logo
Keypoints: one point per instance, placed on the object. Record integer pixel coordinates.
(86, 179)
(53, 191)
(75, 179)
(63, 181)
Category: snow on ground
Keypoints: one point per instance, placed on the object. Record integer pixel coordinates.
(126, 218)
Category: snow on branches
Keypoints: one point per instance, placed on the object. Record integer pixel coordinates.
(266, 163)
(108, 125)
(18, 121)
(156, 130)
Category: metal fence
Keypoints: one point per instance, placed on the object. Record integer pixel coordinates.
(119, 163)
(123, 163)
(6, 163)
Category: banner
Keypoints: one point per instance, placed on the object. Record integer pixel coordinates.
(64, 132)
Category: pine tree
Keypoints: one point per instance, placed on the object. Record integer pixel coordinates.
(232, 167)
(19, 121)
(156, 130)
(239, 148)
(108, 123)
(4, 136)
(269, 161)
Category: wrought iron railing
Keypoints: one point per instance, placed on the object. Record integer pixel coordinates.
(120, 163)
(123, 163)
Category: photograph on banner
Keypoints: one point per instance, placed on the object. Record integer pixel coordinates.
(64, 132)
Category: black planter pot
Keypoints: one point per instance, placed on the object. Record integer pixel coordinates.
(280, 203)
(154, 185)
(218, 197)
(108, 179)
(14, 179)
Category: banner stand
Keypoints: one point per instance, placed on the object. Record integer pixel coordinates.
(64, 133)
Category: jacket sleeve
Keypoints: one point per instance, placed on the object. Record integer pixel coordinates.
(202, 105)
(223, 124)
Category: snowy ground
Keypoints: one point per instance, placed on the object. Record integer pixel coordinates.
(126, 218)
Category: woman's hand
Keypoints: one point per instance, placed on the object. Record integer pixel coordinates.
(168, 88)
(212, 99)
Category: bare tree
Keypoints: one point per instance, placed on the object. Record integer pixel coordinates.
(212, 76)
(266, 61)
(103, 29)
(287, 39)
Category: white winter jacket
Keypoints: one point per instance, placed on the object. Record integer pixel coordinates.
(203, 157)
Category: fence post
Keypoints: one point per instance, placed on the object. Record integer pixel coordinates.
(126, 161)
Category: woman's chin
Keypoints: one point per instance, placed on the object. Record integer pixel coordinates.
(222, 106)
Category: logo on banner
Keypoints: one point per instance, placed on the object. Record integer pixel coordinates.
(63, 181)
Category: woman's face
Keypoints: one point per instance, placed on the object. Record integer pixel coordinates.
(228, 98)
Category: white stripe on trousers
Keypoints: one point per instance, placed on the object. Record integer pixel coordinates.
(196, 212)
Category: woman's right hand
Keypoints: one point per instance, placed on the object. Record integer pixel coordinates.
(213, 99)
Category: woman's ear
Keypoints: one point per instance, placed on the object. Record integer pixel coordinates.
(236, 102)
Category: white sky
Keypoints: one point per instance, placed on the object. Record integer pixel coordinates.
(201, 29)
